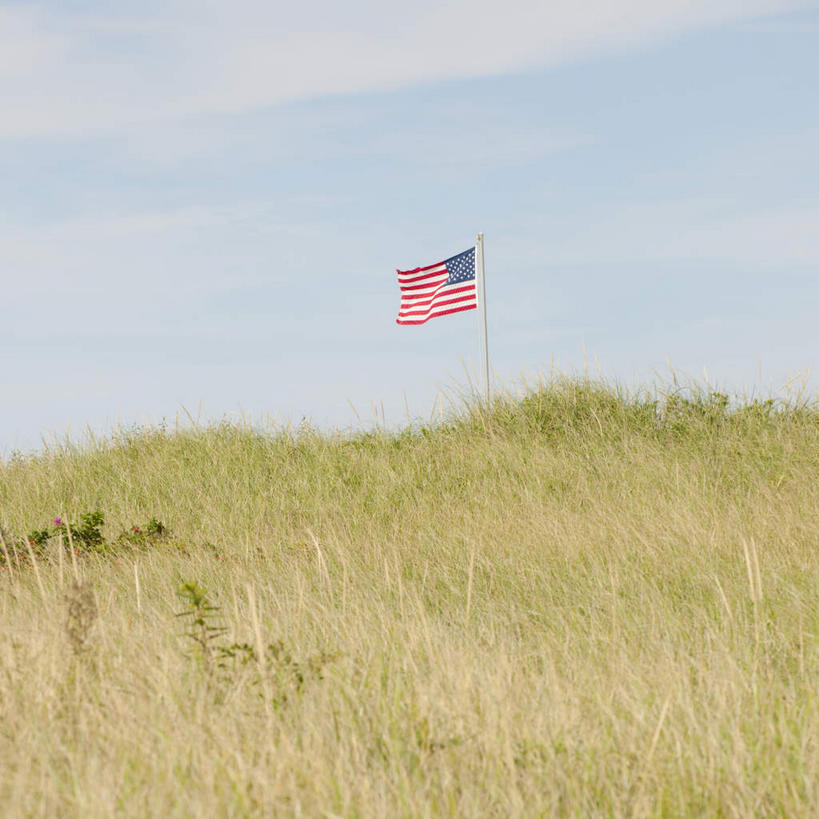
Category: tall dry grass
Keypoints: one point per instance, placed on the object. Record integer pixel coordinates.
(579, 603)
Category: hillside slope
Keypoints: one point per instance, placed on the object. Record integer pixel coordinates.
(576, 603)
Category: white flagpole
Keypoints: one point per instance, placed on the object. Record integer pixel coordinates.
(482, 299)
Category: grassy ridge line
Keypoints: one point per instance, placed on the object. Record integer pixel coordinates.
(134, 474)
(577, 603)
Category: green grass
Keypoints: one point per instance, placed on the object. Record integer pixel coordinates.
(580, 602)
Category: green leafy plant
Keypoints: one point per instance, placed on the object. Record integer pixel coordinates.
(87, 537)
(151, 534)
(279, 672)
(39, 538)
(286, 674)
(203, 622)
(89, 532)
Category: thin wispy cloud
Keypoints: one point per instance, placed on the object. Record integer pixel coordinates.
(65, 72)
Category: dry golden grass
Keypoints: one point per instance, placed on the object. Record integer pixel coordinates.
(577, 604)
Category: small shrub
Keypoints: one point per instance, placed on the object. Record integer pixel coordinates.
(88, 537)
(280, 673)
(203, 625)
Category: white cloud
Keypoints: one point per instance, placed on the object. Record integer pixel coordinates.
(75, 74)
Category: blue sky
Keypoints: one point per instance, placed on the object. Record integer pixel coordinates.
(203, 204)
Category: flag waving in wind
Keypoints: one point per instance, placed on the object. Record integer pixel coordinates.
(438, 290)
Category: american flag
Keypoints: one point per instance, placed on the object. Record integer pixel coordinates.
(438, 290)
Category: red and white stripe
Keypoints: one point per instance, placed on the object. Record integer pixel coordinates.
(425, 294)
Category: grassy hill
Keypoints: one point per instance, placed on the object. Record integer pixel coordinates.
(576, 603)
